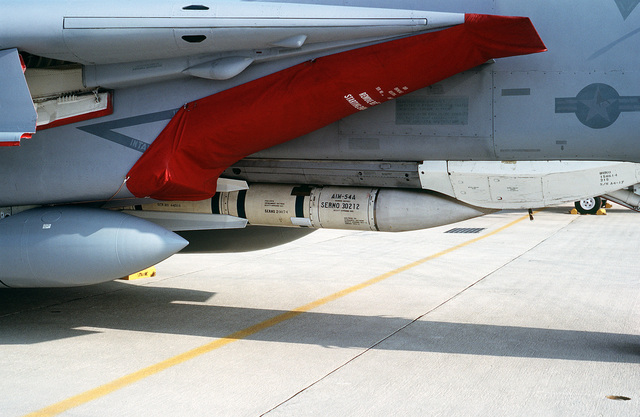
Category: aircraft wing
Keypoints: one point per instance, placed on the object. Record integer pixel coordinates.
(122, 31)
(123, 43)
(108, 46)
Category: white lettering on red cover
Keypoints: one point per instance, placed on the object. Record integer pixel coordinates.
(352, 100)
(367, 98)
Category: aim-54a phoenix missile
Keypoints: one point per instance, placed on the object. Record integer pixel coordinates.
(354, 208)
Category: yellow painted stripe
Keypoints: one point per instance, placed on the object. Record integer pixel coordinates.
(127, 380)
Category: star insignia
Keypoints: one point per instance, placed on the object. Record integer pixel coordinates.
(598, 106)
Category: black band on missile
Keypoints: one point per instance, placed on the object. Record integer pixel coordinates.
(300, 206)
(242, 195)
(375, 212)
(303, 190)
(215, 204)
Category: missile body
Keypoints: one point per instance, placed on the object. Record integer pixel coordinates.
(353, 208)
(72, 246)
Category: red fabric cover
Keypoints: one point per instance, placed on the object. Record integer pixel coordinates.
(207, 136)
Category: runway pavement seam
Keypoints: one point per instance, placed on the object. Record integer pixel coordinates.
(395, 332)
(373, 346)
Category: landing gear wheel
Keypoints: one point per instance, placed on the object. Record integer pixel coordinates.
(589, 205)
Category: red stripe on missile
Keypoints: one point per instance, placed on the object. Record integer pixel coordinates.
(208, 135)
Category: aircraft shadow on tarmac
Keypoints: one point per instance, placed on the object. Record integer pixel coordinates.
(36, 316)
(249, 239)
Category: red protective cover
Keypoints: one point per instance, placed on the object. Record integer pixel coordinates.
(208, 135)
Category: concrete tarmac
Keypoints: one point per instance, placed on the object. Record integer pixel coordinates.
(519, 317)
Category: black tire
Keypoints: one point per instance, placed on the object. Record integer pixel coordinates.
(589, 205)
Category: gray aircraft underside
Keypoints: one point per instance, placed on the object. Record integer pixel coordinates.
(579, 101)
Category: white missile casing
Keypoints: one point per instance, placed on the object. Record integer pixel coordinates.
(352, 208)
(71, 246)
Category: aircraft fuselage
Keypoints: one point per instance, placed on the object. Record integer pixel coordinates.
(580, 100)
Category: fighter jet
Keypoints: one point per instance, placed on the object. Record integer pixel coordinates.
(124, 122)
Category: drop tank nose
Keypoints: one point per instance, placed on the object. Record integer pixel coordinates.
(136, 241)
(71, 246)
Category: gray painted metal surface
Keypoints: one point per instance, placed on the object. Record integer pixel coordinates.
(123, 31)
(67, 246)
(390, 174)
(17, 115)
